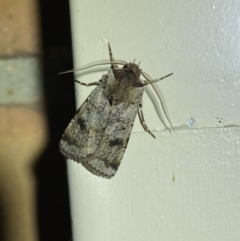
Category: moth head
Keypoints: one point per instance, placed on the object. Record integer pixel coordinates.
(134, 67)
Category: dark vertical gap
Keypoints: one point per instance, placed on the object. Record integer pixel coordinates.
(51, 174)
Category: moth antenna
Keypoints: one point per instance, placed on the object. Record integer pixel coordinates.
(160, 96)
(134, 61)
(113, 63)
(95, 63)
(139, 63)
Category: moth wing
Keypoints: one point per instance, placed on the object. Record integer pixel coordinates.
(112, 147)
(98, 134)
(84, 133)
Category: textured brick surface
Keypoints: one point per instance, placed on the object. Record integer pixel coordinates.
(19, 27)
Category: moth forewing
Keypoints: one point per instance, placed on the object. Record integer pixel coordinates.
(98, 135)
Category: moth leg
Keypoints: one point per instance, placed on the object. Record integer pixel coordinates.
(152, 81)
(160, 96)
(156, 80)
(143, 123)
(113, 64)
(86, 84)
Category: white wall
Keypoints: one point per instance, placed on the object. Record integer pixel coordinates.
(199, 42)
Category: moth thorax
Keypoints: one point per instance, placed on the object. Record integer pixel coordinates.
(134, 68)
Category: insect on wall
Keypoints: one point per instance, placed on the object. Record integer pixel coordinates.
(98, 134)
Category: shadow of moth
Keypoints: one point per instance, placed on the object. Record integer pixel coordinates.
(98, 134)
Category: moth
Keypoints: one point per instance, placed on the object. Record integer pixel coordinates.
(98, 134)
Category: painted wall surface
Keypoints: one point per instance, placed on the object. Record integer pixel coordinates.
(180, 186)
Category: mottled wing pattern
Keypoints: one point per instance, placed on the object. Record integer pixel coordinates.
(83, 135)
(98, 134)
